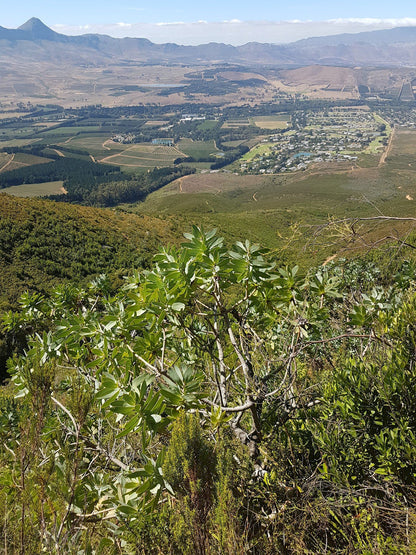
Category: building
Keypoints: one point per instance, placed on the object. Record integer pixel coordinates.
(163, 142)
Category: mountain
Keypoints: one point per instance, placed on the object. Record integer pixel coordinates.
(384, 36)
(36, 30)
(395, 46)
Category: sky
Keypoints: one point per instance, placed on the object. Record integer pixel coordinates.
(191, 22)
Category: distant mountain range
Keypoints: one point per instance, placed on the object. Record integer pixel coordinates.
(34, 40)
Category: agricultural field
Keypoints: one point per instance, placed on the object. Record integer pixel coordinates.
(5, 160)
(208, 124)
(9, 162)
(35, 189)
(143, 156)
(11, 143)
(29, 159)
(235, 123)
(98, 145)
(197, 149)
(70, 131)
(9, 115)
(272, 122)
(156, 123)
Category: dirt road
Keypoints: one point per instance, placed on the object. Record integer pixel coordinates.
(7, 163)
(388, 148)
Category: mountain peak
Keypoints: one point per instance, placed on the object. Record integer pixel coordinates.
(33, 23)
(37, 29)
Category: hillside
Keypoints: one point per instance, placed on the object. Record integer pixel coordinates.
(43, 243)
(217, 405)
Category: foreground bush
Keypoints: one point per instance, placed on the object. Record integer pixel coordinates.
(216, 404)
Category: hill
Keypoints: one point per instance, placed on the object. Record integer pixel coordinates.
(43, 243)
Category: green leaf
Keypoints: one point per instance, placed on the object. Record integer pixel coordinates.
(178, 307)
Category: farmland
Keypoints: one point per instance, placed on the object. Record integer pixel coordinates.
(142, 156)
(272, 122)
(35, 189)
(197, 149)
(258, 172)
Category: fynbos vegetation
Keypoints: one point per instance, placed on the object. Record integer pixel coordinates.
(216, 403)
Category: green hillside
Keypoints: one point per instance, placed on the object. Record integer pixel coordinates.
(43, 243)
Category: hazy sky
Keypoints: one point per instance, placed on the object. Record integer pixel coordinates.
(192, 22)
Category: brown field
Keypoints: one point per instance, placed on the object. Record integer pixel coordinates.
(320, 76)
(270, 122)
(7, 115)
(154, 123)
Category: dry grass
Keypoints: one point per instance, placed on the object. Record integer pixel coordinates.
(271, 122)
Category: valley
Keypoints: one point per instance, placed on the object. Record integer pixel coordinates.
(258, 169)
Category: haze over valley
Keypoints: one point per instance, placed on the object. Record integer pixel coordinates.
(39, 64)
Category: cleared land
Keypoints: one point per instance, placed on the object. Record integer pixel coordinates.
(272, 122)
(36, 189)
